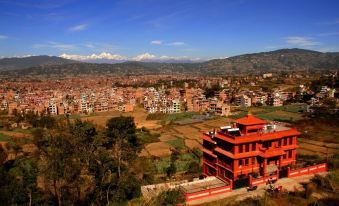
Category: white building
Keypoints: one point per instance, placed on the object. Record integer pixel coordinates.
(245, 101)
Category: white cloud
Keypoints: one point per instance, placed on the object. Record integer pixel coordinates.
(145, 57)
(157, 42)
(103, 55)
(176, 43)
(79, 27)
(3, 37)
(301, 41)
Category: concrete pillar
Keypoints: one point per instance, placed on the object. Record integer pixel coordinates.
(250, 180)
(235, 165)
(236, 149)
(231, 185)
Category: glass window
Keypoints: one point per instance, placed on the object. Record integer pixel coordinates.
(247, 147)
(240, 162)
(253, 160)
(291, 139)
(253, 146)
(240, 148)
(246, 161)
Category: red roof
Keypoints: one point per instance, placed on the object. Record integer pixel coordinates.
(250, 120)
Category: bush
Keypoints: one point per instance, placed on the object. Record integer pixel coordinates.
(194, 167)
(172, 197)
(310, 187)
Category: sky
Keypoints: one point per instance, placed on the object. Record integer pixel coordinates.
(163, 29)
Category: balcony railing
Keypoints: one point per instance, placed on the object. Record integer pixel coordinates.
(209, 161)
(224, 164)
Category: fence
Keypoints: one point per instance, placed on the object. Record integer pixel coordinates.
(307, 170)
(263, 180)
(207, 193)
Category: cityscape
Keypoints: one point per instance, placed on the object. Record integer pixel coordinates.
(127, 102)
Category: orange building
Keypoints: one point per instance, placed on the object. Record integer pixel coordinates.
(250, 146)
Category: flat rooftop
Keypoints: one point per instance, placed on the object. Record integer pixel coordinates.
(278, 128)
(201, 185)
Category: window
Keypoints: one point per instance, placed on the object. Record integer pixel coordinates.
(211, 170)
(253, 146)
(247, 147)
(246, 162)
(240, 163)
(291, 139)
(284, 157)
(290, 154)
(285, 141)
(253, 160)
(240, 148)
(252, 130)
(265, 145)
(279, 143)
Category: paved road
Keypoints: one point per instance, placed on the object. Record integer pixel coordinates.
(290, 184)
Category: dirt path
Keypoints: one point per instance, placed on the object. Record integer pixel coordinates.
(290, 184)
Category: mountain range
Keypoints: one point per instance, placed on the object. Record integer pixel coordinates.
(15, 63)
(273, 61)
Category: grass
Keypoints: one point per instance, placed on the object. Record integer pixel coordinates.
(24, 131)
(5, 138)
(287, 113)
(177, 143)
(77, 116)
(145, 136)
(275, 117)
(181, 164)
(171, 117)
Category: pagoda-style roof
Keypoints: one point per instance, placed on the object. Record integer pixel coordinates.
(249, 119)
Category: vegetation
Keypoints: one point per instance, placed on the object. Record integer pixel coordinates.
(170, 117)
(74, 164)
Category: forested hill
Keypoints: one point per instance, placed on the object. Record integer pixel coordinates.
(17, 63)
(256, 63)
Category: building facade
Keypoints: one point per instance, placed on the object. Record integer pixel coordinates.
(249, 146)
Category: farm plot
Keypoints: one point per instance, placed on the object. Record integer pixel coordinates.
(311, 147)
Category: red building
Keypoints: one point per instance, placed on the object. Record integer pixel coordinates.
(250, 146)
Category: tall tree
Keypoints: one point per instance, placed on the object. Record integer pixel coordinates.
(121, 132)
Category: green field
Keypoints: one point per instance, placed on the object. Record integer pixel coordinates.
(5, 138)
(287, 113)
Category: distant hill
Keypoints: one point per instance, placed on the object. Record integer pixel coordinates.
(256, 63)
(15, 63)
(279, 60)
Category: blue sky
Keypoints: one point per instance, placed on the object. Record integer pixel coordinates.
(137, 29)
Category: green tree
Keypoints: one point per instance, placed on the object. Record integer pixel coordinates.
(121, 133)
